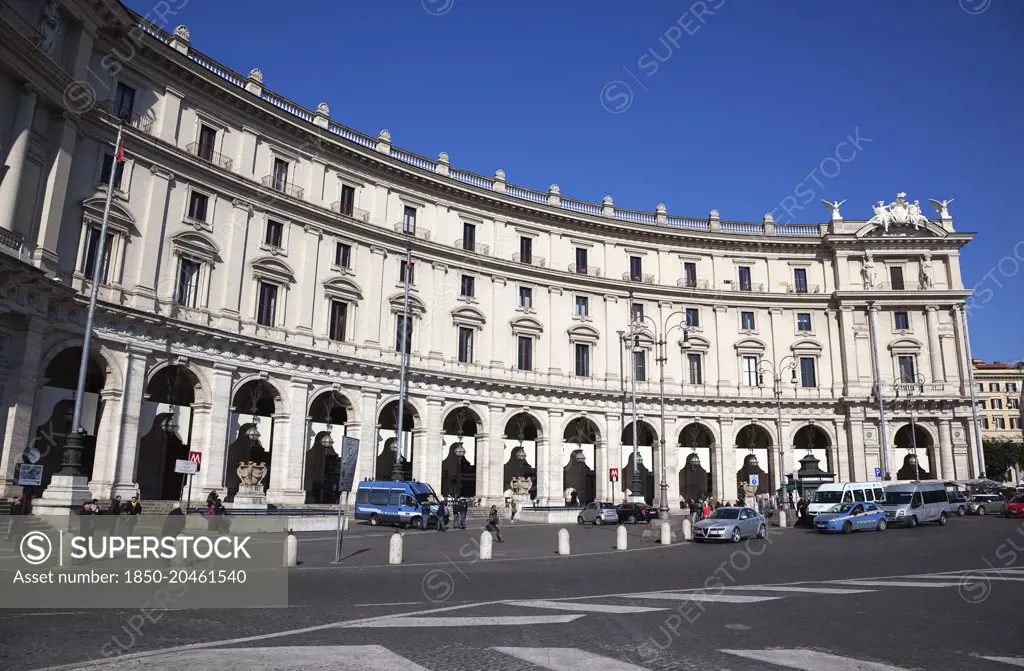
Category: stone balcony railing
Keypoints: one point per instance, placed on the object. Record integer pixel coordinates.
(532, 260)
(641, 278)
(475, 247)
(809, 289)
(15, 244)
(141, 122)
(214, 157)
(349, 211)
(592, 271)
(415, 231)
(287, 188)
(690, 283)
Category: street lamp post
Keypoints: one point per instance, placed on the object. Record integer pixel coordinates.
(396, 468)
(776, 370)
(634, 484)
(908, 384)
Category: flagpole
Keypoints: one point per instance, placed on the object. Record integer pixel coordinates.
(396, 469)
(71, 460)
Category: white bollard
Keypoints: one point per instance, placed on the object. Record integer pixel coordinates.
(782, 519)
(344, 523)
(666, 534)
(486, 544)
(291, 550)
(563, 542)
(687, 530)
(620, 537)
(395, 549)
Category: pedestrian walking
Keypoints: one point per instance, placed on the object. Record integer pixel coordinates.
(26, 500)
(17, 527)
(133, 510)
(705, 510)
(114, 508)
(515, 509)
(461, 510)
(494, 524)
(174, 524)
(442, 510)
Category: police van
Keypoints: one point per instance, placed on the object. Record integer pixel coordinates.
(407, 504)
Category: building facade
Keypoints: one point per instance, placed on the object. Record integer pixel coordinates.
(251, 302)
(998, 396)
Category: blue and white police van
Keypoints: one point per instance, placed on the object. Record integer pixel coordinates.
(407, 504)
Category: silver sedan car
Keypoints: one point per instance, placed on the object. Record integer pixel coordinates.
(730, 524)
(985, 504)
(598, 513)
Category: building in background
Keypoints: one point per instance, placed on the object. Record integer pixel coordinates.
(998, 395)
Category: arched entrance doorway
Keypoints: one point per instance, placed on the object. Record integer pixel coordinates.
(388, 422)
(252, 425)
(915, 464)
(812, 439)
(328, 414)
(696, 477)
(54, 410)
(753, 444)
(645, 439)
(579, 443)
(166, 420)
(521, 433)
(458, 449)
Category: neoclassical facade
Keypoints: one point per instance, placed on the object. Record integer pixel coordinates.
(251, 301)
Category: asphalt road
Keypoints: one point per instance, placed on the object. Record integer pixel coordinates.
(927, 598)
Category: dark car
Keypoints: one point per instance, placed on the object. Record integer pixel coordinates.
(634, 513)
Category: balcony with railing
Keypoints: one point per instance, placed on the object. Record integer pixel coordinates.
(905, 285)
(643, 278)
(413, 231)
(470, 246)
(692, 283)
(530, 260)
(141, 122)
(14, 244)
(207, 154)
(349, 211)
(592, 271)
(803, 289)
(752, 287)
(288, 188)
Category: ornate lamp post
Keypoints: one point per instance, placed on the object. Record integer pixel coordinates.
(776, 371)
(396, 468)
(908, 384)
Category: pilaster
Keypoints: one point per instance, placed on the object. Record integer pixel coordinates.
(431, 453)
(147, 264)
(127, 444)
(17, 154)
(947, 469)
(289, 449)
(494, 454)
(47, 238)
(20, 403)
(216, 438)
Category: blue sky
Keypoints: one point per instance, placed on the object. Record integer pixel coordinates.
(650, 103)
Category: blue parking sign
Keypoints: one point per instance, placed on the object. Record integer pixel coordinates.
(878, 472)
(754, 481)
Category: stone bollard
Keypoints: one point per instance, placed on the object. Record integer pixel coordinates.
(395, 549)
(687, 530)
(782, 519)
(620, 537)
(291, 550)
(666, 533)
(563, 542)
(344, 523)
(486, 544)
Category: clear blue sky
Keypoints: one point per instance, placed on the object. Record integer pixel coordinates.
(735, 117)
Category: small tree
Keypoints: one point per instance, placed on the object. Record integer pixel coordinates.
(1001, 456)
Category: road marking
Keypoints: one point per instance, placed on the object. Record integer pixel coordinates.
(811, 660)
(897, 583)
(583, 607)
(1012, 661)
(285, 658)
(492, 621)
(981, 575)
(568, 659)
(703, 598)
(809, 590)
(396, 603)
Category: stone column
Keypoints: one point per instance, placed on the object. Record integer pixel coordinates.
(723, 383)
(368, 438)
(543, 470)
(440, 310)
(495, 452)
(727, 461)
(553, 486)
(104, 462)
(47, 238)
(613, 346)
(20, 404)
(848, 351)
(604, 492)
(216, 438)
(147, 260)
(16, 155)
(169, 115)
(672, 469)
(233, 272)
(372, 307)
(500, 351)
(247, 161)
(128, 444)
(201, 417)
(289, 448)
(302, 306)
(554, 361)
(432, 453)
(934, 347)
(613, 454)
(421, 457)
(947, 469)
(857, 465)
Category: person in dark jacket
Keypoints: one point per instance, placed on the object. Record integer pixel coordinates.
(26, 500)
(461, 511)
(115, 506)
(133, 510)
(174, 524)
(442, 511)
(493, 523)
(17, 527)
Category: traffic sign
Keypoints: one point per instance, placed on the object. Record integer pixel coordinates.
(196, 458)
(878, 472)
(754, 480)
(349, 455)
(185, 466)
(613, 474)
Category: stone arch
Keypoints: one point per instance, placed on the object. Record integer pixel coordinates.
(809, 438)
(165, 427)
(387, 422)
(345, 398)
(255, 399)
(461, 449)
(156, 375)
(752, 439)
(582, 435)
(523, 426)
(696, 477)
(114, 374)
(647, 435)
(327, 416)
(926, 443)
(537, 418)
(270, 391)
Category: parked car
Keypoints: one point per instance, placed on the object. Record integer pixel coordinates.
(847, 517)
(1015, 508)
(983, 504)
(916, 503)
(730, 524)
(957, 502)
(598, 513)
(636, 512)
(407, 504)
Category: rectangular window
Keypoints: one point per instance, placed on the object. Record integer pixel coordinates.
(803, 322)
(409, 220)
(984, 423)
(750, 371)
(1011, 386)
(896, 277)
(638, 311)
(635, 269)
(525, 353)
(693, 317)
(108, 165)
(1013, 403)
(379, 497)
(187, 290)
(124, 100)
(1000, 423)
(266, 308)
(197, 205)
(981, 386)
(343, 255)
(207, 142)
(997, 404)
(800, 280)
(1015, 422)
(747, 321)
(695, 375)
(981, 405)
(468, 286)
(525, 297)
(526, 250)
(348, 199)
(89, 259)
(582, 360)
(465, 344)
(690, 275)
(279, 178)
(745, 278)
(901, 320)
(338, 321)
(993, 386)
(403, 325)
(275, 233)
(468, 237)
(807, 376)
(411, 267)
(640, 365)
(581, 260)
(582, 306)
(907, 372)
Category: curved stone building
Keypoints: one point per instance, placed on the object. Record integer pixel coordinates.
(251, 301)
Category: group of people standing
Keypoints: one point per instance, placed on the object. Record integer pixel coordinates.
(460, 509)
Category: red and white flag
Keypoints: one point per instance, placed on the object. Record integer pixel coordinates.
(119, 156)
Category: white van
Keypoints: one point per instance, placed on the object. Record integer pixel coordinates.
(829, 495)
(916, 503)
